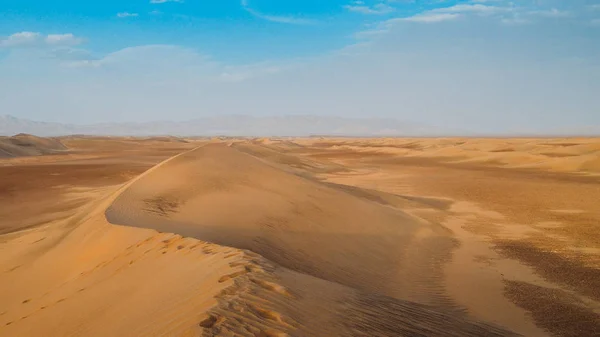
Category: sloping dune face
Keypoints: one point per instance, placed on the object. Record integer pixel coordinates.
(28, 145)
(219, 194)
(86, 277)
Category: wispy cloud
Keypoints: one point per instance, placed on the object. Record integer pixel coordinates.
(528, 16)
(454, 12)
(63, 39)
(378, 9)
(486, 1)
(148, 61)
(384, 27)
(516, 19)
(595, 7)
(68, 55)
(472, 8)
(127, 15)
(431, 17)
(164, 1)
(503, 11)
(21, 39)
(35, 39)
(275, 18)
(551, 13)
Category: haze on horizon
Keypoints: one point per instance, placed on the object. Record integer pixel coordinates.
(483, 65)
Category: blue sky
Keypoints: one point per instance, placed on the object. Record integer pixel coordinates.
(484, 65)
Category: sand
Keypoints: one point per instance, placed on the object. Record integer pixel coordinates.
(28, 145)
(301, 237)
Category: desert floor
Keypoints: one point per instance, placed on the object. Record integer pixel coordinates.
(299, 237)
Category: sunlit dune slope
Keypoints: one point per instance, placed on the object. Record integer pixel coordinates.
(86, 277)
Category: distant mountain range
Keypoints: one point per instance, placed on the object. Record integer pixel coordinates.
(225, 126)
(241, 125)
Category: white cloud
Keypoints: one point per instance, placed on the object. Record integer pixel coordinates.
(127, 15)
(384, 27)
(275, 18)
(359, 7)
(63, 39)
(551, 13)
(35, 39)
(472, 8)
(595, 7)
(21, 39)
(142, 55)
(431, 17)
(164, 1)
(515, 20)
(367, 34)
(148, 61)
(455, 12)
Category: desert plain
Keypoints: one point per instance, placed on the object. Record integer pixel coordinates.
(319, 236)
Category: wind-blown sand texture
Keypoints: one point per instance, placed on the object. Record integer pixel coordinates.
(302, 237)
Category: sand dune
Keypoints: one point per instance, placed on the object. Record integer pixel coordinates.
(75, 276)
(293, 237)
(219, 194)
(318, 233)
(580, 155)
(110, 287)
(126, 281)
(28, 145)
